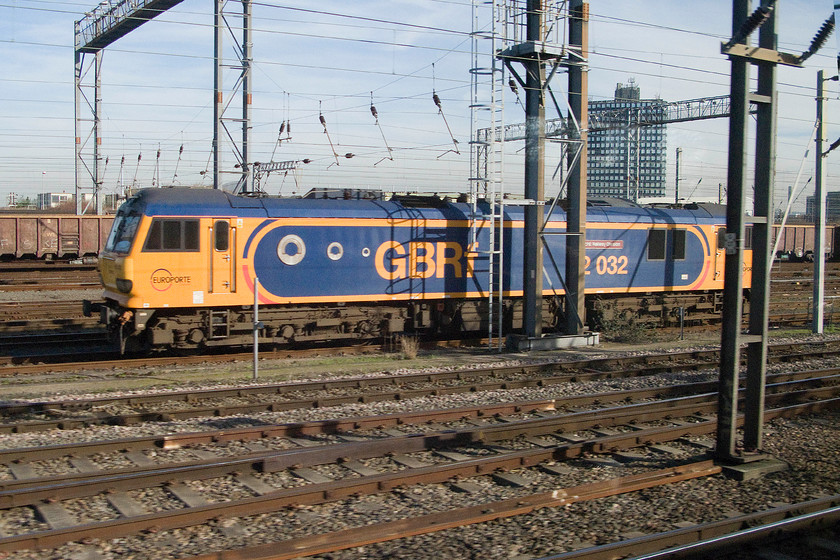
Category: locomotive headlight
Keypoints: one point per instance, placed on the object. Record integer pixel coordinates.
(124, 285)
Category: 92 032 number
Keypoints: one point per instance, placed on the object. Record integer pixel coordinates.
(607, 264)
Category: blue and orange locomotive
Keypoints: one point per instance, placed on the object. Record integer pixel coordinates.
(180, 264)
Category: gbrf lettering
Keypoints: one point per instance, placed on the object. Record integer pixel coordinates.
(422, 259)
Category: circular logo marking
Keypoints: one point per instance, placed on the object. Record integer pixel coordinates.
(291, 250)
(162, 279)
(335, 251)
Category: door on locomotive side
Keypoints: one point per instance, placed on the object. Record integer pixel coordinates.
(222, 257)
(720, 252)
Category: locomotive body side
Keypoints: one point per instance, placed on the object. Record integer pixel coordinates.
(181, 265)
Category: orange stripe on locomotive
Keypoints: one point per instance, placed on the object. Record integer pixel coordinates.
(217, 276)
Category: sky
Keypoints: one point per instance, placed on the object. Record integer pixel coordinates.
(334, 59)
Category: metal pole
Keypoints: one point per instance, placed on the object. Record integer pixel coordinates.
(257, 327)
(78, 128)
(682, 323)
(246, 95)
(97, 133)
(576, 214)
(819, 214)
(627, 158)
(638, 155)
(762, 236)
(534, 176)
(677, 188)
(730, 346)
(217, 94)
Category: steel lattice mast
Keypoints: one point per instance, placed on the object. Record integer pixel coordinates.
(111, 20)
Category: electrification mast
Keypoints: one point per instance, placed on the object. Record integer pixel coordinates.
(100, 27)
(114, 19)
(742, 57)
(224, 119)
(543, 47)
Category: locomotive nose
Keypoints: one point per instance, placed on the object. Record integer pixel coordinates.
(116, 273)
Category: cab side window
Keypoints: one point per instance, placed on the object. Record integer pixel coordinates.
(660, 239)
(222, 235)
(122, 233)
(167, 234)
(678, 245)
(656, 245)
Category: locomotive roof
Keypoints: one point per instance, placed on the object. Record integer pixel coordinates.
(214, 202)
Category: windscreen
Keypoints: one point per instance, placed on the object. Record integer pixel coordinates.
(123, 232)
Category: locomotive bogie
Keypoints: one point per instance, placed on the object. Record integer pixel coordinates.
(657, 309)
(207, 328)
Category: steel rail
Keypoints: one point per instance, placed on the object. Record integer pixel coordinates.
(21, 367)
(541, 371)
(320, 493)
(370, 534)
(178, 441)
(709, 539)
(603, 367)
(307, 495)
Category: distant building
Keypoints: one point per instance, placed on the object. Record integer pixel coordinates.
(66, 202)
(627, 161)
(112, 202)
(53, 200)
(832, 207)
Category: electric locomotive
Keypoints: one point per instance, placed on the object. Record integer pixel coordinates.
(180, 266)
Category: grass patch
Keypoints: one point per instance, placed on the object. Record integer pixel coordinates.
(409, 346)
(627, 330)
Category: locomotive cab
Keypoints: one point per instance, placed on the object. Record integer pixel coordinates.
(116, 272)
(115, 265)
(161, 257)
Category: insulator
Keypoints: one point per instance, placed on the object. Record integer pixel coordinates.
(756, 19)
(348, 155)
(323, 120)
(139, 157)
(158, 154)
(106, 160)
(833, 146)
(306, 160)
(181, 150)
(819, 39)
(513, 86)
(373, 112)
(122, 161)
(282, 128)
(436, 99)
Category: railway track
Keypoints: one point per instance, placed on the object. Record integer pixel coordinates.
(488, 463)
(166, 406)
(19, 278)
(201, 477)
(801, 530)
(18, 319)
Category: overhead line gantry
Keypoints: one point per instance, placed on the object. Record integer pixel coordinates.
(113, 19)
(649, 115)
